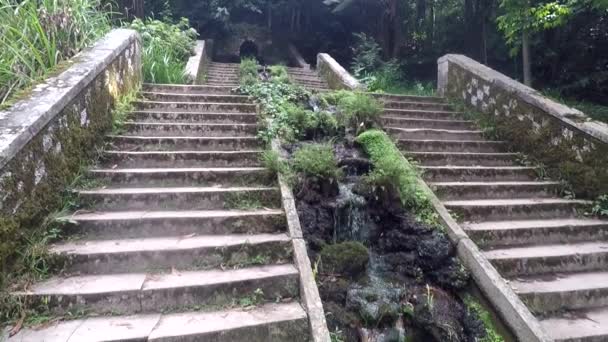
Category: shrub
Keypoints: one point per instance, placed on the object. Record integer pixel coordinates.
(367, 55)
(393, 172)
(317, 160)
(36, 35)
(248, 71)
(600, 206)
(349, 258)
(279, 74)
(166, 49)
(358, 111)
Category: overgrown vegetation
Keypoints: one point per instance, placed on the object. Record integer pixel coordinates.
(279, 73)
(166, 49)
(123, 107)
(37, 35)
(317, 160)
(392, 172)
(476, 309)
(248, 72)
(356, 111)
(600, 206)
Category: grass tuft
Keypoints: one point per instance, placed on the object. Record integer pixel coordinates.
(317, 160)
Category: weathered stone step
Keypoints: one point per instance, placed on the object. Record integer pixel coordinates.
(482, 146)
(174, 177)
(185, 198)
(548, 259)
(188, 89)
(169, 129)
(142, 143)
(186, 97)
(478, 173)
(568, 291)
(516, 209)
(494, 190)
(464, 158)
(222, 78)
(185, 117)
(270, 322)
(133, 293)
(424, 114)
(215, 71)
(232, 84)
(207, 107)
(417, 105)
(404, 122)
(182, 159)
(514, 233)
(306, 78)
(167, 253)
(578, 326)
(434, 134)
(407, 98)
(134, 224)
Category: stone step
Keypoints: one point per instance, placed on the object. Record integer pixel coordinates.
(185, 117)
(547, 259)
(182, 159)
(187, 97)
(464, 158)
(208, 107)
(514, 233)
(221, 78)
(516, 209)
(417, 105)
(434, 134)
(185, 198)
(404, 122)
(134, 224)
(424, 114)
(481, 146)
(567, 291)
(269, 322)
(306, 78)
(143, 143)
(134, 293)
(407, 98)
(187, 89)
(94, 257)
(222, 71)
(168, 129)
(578, 326)
(447, 191)
(179, 177)
(478, 173)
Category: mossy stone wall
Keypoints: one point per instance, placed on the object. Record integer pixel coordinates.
(570, 145)
(65, 121)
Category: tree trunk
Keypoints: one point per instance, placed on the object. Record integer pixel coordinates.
(269, 13)
(525, 41)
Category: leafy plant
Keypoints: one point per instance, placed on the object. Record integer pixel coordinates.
(317, 160)
(393, 172)
(36, 35)
(358, 111)
(248, 72)
(166, 49)
(600, 206)
(474, 308)
(124, 106)
(279, 74)
(366, 55)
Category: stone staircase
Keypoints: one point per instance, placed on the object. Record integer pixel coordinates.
(555, 259)
(183, 238)
(308, 79)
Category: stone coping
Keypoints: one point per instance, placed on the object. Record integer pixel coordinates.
(336, 76)
(24, 120)
(195, 63)
(569, 116)
(308, 286)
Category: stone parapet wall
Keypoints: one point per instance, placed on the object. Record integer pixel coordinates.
(46, 138)
(336, 76)
(197, 66)
(569, 144)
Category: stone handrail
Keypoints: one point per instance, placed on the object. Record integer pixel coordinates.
(336, 76)
(295, 54)
(197, 64)
(526, 118)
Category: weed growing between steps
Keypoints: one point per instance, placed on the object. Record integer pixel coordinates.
(384, 270)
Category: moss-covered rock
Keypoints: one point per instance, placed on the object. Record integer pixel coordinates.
(346, 258)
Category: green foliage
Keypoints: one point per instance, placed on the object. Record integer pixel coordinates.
(166, 49)
(367, 55)
(348, 258)
(279, 74)
(124, 106)
(248, 72)
(317, 160)
(476, 309)
(36, 35)
(358, 111)
(600, 206)
(393, 172)
(593, 110)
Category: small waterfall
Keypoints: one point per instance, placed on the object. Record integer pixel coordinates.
(351, 220)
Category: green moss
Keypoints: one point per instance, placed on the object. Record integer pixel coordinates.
(347, 258)
(393, 172)
(476, 309)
